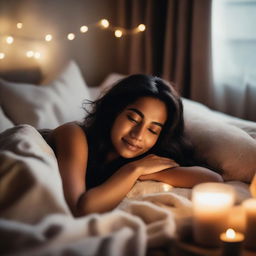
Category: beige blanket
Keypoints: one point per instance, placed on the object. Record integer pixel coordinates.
(35, 219)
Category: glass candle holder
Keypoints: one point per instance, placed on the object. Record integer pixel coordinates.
(250, 226)
(211, 205)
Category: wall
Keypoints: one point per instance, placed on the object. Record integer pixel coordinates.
(95, 51)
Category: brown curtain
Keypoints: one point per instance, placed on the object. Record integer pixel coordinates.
(175, 45)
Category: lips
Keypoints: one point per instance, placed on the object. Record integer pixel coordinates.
(131, 146)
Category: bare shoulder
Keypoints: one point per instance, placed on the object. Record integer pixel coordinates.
(69, 134)
(69, 129)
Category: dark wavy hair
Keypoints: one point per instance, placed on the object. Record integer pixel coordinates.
(103, 112)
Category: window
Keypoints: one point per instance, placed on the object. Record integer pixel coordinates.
(234, 42)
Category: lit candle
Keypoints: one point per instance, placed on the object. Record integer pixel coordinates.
(231, 243)
(250, 229)
(211, 204)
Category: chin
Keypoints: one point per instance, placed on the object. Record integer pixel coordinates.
(128, 155)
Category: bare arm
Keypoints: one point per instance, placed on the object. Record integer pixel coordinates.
(71, 149)
(112, 191)
(185, 177)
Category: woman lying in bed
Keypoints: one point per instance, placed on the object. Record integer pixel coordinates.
(133, 132)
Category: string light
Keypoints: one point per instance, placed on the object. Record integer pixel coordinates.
(48, 38)
(141, 27)
(9, 40)
(118, 33)
(84, 29)
(32, 54)
(19, 25)
(71, 36)
(29, 54)
(103, 23)
(37, 55)
(2, 55)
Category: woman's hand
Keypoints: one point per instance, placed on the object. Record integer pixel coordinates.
(152, 163)
(185, 177)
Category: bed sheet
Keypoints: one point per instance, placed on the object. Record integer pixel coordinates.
(35, 219)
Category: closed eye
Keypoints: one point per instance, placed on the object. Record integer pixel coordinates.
(132, 119)
(152, 131)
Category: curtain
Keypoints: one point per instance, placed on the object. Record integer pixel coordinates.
(234, 57)
(175, 46)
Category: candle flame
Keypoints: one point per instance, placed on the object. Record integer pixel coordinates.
(230, 233)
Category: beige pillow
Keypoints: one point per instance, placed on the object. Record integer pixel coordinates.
(224, 147)
(46, 106)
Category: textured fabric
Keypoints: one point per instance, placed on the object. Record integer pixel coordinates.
(175, 45)
(35, 219)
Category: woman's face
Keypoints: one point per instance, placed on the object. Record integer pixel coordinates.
(137, 128)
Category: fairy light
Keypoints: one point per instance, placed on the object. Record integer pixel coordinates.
(71, 36)
(83, 29)
(9, 40)
(29, 54)
(104, 23)
(19, 25)
(48, 38)
(141, 27)
(118, 33)
(2, 55)
(37, 55)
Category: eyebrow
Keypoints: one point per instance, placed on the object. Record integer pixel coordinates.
(142, 116)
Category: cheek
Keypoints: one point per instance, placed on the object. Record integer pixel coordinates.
(150, 141)
(120, 126)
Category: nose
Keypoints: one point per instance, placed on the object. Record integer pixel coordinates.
(137, 132)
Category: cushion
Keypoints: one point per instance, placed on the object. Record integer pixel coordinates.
(222, 146)
(5, 122)
(46, 106)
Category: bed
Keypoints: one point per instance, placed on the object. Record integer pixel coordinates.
(153, 218)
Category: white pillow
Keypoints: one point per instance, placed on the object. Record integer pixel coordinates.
(46, 106)
(107, 83)
(5, 122)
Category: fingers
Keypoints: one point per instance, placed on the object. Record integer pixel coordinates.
(152, 163)
(163, 160)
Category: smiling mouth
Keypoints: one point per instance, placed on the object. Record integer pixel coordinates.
(131, 146)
